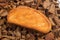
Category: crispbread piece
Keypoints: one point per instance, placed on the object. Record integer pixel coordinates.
(29, 18)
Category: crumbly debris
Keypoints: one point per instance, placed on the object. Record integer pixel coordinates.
(14, 32)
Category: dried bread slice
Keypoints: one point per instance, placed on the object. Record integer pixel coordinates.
(29, 18)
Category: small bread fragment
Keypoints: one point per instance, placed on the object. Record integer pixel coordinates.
(29, 18)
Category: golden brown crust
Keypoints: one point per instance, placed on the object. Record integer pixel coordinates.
(29, 18)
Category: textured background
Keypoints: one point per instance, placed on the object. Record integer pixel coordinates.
(14, 32)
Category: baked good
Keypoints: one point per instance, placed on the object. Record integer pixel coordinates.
(29, 18)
